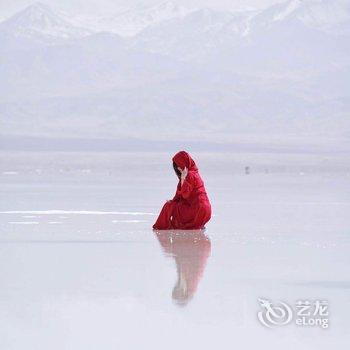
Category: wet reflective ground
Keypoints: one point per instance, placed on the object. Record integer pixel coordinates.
(81, 267)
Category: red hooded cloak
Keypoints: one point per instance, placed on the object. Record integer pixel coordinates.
(190, 208)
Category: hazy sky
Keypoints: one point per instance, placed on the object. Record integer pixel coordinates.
(8, 7)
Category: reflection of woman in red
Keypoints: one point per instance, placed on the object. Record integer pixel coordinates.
(190, 249)
(190, 208)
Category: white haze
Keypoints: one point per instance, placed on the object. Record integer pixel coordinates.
(168, 72)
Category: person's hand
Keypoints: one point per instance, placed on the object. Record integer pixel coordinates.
(183, 174)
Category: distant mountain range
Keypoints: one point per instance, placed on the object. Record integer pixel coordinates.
(40, 20)
(166, 71)
(131, 21)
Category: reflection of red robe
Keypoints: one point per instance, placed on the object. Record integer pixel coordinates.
(190, 208)
(190, 249)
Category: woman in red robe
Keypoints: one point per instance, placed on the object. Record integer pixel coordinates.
(190, 208)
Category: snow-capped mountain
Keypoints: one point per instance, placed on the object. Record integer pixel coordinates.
(282, 70)
(205, 32)
(175, 23)
(132, 21)
(326, 15)
(39, 23)
(200, 32)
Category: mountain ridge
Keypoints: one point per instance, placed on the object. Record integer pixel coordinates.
(41, 19)
(209, 74)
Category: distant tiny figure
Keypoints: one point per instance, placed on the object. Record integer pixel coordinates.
(190, 208)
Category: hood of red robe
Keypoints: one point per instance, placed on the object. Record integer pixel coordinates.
(182, 159)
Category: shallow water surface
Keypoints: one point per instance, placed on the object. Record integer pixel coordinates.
(81, 267)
